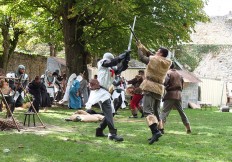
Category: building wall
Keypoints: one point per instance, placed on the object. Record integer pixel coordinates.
(213, 91)
(189, 94)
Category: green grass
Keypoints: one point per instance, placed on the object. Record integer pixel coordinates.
(75, 141)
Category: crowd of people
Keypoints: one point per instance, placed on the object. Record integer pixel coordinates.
(108, 89)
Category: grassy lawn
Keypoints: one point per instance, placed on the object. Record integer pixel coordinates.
(76, 142)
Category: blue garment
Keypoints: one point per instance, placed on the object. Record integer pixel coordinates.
(74, 98)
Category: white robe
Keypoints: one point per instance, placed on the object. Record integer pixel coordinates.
(105, 79)
(69, 84)
(116, 95)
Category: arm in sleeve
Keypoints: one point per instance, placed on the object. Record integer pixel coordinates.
(142, 57)
(166, 82)
(110, 63)
(132, 81)
(144, 50)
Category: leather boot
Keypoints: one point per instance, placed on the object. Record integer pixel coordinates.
(156, 134)
(113, 136)
(134, 114)
(99, 133)
(188, 128)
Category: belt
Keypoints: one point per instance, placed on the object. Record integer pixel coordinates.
(153, 80)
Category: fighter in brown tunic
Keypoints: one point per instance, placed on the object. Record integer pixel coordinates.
(152, 86)
(172, 99)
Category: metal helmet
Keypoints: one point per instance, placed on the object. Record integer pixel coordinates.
(21, 67)
(108, 56)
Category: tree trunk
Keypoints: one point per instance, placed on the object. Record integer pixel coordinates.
(52, 50)
(6, 46)
(9, 44)
(75, 53)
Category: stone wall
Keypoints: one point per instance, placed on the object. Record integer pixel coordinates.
(216, 65)
(217, 31)
(35, 64)
(189, 94)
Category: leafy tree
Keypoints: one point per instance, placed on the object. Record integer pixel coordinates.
(12, 25)
(44, 30)
(94, 27)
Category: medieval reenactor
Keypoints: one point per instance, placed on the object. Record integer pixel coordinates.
(58, 87)
(108, 67)
(84, 89)
(8, 95)
(152, 86)
(136, 99)
(69, 84)
(172, 99)
(63, 84)
(75, 94)
(49, 82)
(118, 95)
(18, 83)
(35, 88)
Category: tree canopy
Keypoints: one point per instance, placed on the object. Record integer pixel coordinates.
(91, 27)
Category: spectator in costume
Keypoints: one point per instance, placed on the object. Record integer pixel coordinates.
(36, 88)
(18, 83)
(75, 94)
(58, 87)
(8, 95)
(49, 82)
(118, 95)
(67, 89)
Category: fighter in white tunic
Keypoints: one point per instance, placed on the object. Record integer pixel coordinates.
(107, 68)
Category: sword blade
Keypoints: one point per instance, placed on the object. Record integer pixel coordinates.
(131, 35)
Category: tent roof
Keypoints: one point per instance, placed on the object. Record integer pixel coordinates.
(60, 60)
(188, 76)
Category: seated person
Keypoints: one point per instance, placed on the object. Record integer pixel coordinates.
(35, 88)
(8, 95)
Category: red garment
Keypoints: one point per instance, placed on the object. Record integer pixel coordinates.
(134, 103)
(112, 72)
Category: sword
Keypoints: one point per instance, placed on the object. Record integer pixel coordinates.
(136, 38)
(131, 35)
